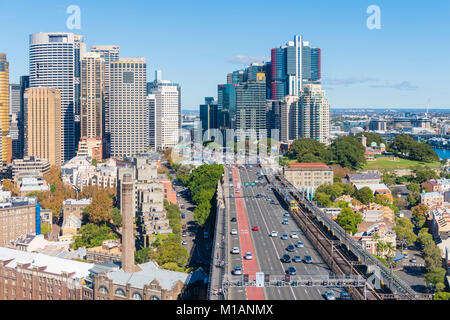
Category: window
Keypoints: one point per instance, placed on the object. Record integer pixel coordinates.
(120, 292)
(103, 290)
(137, 296)
(155, 298)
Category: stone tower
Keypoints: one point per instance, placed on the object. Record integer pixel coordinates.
(128, 245)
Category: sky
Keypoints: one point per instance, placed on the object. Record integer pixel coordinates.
(404, 64)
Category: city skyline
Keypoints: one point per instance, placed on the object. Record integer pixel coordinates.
(368, 69)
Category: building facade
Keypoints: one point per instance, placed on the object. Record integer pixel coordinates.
(129, 118)
(308, 175)
(43, 124)
(6, 146)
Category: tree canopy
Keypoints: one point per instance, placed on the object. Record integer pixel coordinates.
(365, 195)
(349, 220)
(348, 152)
(406, 147)
(91, 235)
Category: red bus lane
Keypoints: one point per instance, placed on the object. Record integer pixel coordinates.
(250, 267)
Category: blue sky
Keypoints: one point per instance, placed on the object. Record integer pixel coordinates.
(196, 43)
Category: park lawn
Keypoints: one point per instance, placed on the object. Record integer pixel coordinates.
(388, 163)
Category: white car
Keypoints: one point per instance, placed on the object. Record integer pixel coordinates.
(235, 250)
(248, 256)
(274, 234)
(294, 235)
(234, 231)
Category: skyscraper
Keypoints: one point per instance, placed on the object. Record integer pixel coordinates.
(4, 109)
(129, 115)
(91, 98)
(14, 115)
(24, 84)
(167, 112)
(314, 114)
(251, 105)
(43, 124)
(108, 53)
(209, 115)
(55, 63)
(152, 120)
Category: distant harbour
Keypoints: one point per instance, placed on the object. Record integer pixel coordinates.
(443, 153)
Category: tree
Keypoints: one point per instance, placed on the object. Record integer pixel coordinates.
(365, 195)
(309, 150)
(201, 213)
(100, 208)
(432, 255)
(424, 173)
(424, 237)
(404, 231)
(413, 198)
(8, 185)
(323, 199)
(414, 187)
(91, 235)
(142, 255)
(388, 178)
(434, 277)
(406, 147)
(348, 152)
(349, 220)
(381, 199)
(442, 296)
(116, 217)
(420, 214)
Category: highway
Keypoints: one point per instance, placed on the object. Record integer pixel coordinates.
(269, 250)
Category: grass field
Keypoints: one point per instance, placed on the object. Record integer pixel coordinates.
(389, 163)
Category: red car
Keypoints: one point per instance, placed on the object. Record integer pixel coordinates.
(255, 228)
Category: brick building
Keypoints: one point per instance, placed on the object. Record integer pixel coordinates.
(308, 175)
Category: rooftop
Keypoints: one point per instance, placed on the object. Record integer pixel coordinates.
(309, 166)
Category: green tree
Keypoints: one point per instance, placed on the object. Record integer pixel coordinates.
(414, 187)
(424, 237)
(413, 198)
(349, 220)
(432, 255)
(91, 235)
(442, 296)
(323, 199)
(116, 217)
(142, 255)
(348, 152)
(424, 173)
(309, 150)
(420, 214)
(404, 231)
(365, 195)
(434, 277)
(201, 213)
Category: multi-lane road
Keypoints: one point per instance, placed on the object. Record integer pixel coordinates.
(250, 211)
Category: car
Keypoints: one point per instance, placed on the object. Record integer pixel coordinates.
(237, 271)
(248, 256)
(345, 295)
(274, 234)
(286, 214)
(205, 235)
(294, 235)
(184, 234)
(184, 242)
(285, 221)
(413, 260)
(297, 259)
(329, 295)
(299, 244)
(307, 259)
(255, 228)
(268, 199)
(290, 248)
(284, 236)
(234, 231)
(233, 219)
(286, 258)
(235, 250)
(182, 206)
(291, 271)
(272, 202)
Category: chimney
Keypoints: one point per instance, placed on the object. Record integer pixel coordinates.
(128, 244)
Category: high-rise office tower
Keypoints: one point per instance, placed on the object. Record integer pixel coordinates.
(251, 105)
(167, 112)
(91, 98)
(14, 115)
(43, 124)
(314, 114)
(24, 84)
(127, 208)
(109, 54)
(55, 63)
(4, 109)
(226, 104)
(209, 115)
(292, 66)
(152, 120)
(129, 117)
(282, 115)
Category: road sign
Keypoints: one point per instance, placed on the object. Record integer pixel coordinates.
(260, 279)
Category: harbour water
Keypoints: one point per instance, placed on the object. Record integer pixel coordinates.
(443, 153)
